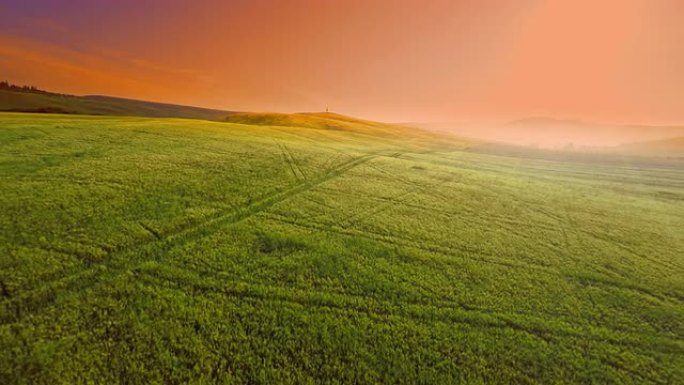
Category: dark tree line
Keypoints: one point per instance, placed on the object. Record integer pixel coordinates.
(5, 85)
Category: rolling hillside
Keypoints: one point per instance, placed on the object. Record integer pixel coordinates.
(146, 250)
(550, 133)
(43, 102)
(336, 122)
(19, 101)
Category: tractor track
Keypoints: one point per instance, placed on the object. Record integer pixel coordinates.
(416, 310)
(15, 308)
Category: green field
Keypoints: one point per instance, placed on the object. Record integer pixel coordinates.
(139, 251)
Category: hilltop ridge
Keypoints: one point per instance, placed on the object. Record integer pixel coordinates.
(22, 99)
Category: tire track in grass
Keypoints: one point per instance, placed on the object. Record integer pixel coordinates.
(17, 307)
(179, 272)
(389, 203)
(202, 282)
(331, 160)
(395, 240)
(293, 161)
(416, 187)
(579, 231)
(380, 201)
(479, 256)
(666, 265)
(150, 230)
(287, 156)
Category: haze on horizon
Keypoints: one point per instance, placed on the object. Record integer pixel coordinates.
(439, 61)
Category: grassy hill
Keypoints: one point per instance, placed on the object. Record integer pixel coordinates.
(323, 121)
(45, 102)
(140, 250)
(19, 101)
(333, 122)
(549, 133)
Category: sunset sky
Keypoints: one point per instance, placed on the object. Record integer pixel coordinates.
(619, 61)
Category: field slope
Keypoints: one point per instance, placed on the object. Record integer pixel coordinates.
(138, 250)
(20, 101)
(326, 121)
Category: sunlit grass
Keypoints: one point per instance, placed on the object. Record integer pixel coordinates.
(172, 251)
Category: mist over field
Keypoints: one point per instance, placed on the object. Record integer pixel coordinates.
(549, 133)
(218, 192)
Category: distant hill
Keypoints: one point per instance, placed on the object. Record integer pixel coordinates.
(323, 120)
(33, 100)
(549, 132)
(336, 123)
(14, 100)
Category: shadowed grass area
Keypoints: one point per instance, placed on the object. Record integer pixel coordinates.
(20, 101)
(324, 249)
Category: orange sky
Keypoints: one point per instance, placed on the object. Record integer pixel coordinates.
(395, 60)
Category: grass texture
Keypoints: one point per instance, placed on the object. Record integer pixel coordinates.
(170, 251)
